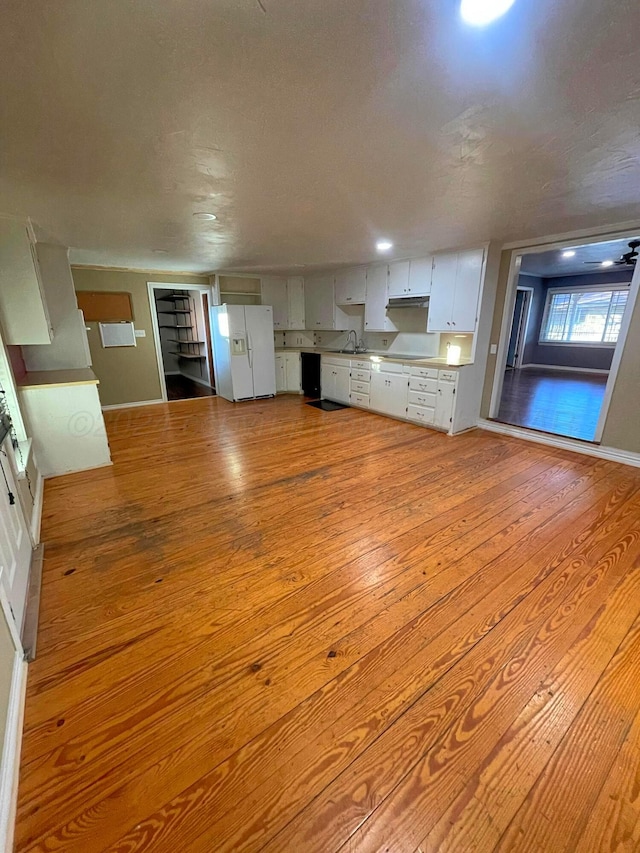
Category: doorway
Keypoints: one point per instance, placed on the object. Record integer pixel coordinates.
(180, 315)
(564, 327)
(519, 327)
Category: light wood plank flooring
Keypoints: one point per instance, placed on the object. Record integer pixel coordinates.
(269, 627)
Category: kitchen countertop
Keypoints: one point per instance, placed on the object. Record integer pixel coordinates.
(435, 361)
(57, 378)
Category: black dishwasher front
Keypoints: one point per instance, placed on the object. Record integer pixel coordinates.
(311, 374)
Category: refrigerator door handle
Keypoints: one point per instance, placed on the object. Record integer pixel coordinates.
(249, 350)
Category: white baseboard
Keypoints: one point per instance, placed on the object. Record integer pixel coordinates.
(131, 405)
(36, 515)
(10, 766)
(566, 368)
(51, 475)
(626, 457)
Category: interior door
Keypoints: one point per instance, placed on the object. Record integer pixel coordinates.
(259, 322)
(15, 546)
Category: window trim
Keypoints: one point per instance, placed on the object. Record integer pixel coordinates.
(591, 288)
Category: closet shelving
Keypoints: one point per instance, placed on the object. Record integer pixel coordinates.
(188, 346)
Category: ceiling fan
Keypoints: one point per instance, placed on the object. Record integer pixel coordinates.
(627, 259)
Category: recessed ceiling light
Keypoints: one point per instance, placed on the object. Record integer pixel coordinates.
(481, 12)
(207, 216)
(384, 245)
(160, 252)
(569, 253)
(607, 263)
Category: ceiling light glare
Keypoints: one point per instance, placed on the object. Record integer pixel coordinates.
(205, 216)
(478, 13)
(569, 253)
(384, 245)
(607, 263)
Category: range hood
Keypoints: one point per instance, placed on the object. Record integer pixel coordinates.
(408, 302)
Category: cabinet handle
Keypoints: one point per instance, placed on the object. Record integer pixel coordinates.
(349, 298)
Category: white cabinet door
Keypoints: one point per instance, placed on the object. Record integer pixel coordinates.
(375, 314)
(293, 372)
(445, 400)
(343, 383)
(389, 393)
(15, 545)
(327, 381)
(274, 293)
(351, 286)
(295, 298)
(281, 374)
(23, 308)
(467, 291)
(443, 285)
(319, 302)
(399, 278)
(420, 276)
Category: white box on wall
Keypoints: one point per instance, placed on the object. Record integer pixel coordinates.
(117, 335)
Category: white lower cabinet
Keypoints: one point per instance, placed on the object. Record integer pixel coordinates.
(445, 403)
(423, 395)
(281, 374)
(335, 379)
(390, 389)
(288, 373)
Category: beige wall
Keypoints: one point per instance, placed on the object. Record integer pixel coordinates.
(622, 427)
(127, 374)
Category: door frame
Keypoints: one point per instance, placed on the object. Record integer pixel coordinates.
(561, 242)
(152, 286)
(525, 316)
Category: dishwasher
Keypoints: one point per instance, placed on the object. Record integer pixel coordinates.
(311, 374)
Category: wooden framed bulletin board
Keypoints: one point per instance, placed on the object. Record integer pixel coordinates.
(104, 307)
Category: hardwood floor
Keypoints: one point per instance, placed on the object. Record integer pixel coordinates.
(183, 388)
(269, 627)
(562, 403)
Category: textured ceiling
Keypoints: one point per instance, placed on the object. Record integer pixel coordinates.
(587, 259)
(312, 127)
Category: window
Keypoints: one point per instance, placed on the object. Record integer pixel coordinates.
(584, 316)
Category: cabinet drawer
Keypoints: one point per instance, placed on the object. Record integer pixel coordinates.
(429, 386)
(418, 398)
(361, 400)
(360, 374)
(448, 375)
(335, 361)
(361, 364)
(421, 415)
(360, 387)
(425, 372)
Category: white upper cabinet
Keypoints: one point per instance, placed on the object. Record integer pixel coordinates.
(399, 279)
(286, 296)
(23, 308)
(467, 292)
(376, 318)
(443, 285)
(455, 291)
(320, 308)
(351, 286)
(295, 299)
(274, 293)
(420, 276)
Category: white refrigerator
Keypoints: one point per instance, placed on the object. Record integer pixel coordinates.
(243, 351)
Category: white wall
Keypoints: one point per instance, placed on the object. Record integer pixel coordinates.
(69, 348)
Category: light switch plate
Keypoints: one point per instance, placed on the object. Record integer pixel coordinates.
(494, 349)
(141, 333)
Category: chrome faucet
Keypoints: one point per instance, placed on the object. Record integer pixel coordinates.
(355, 340)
